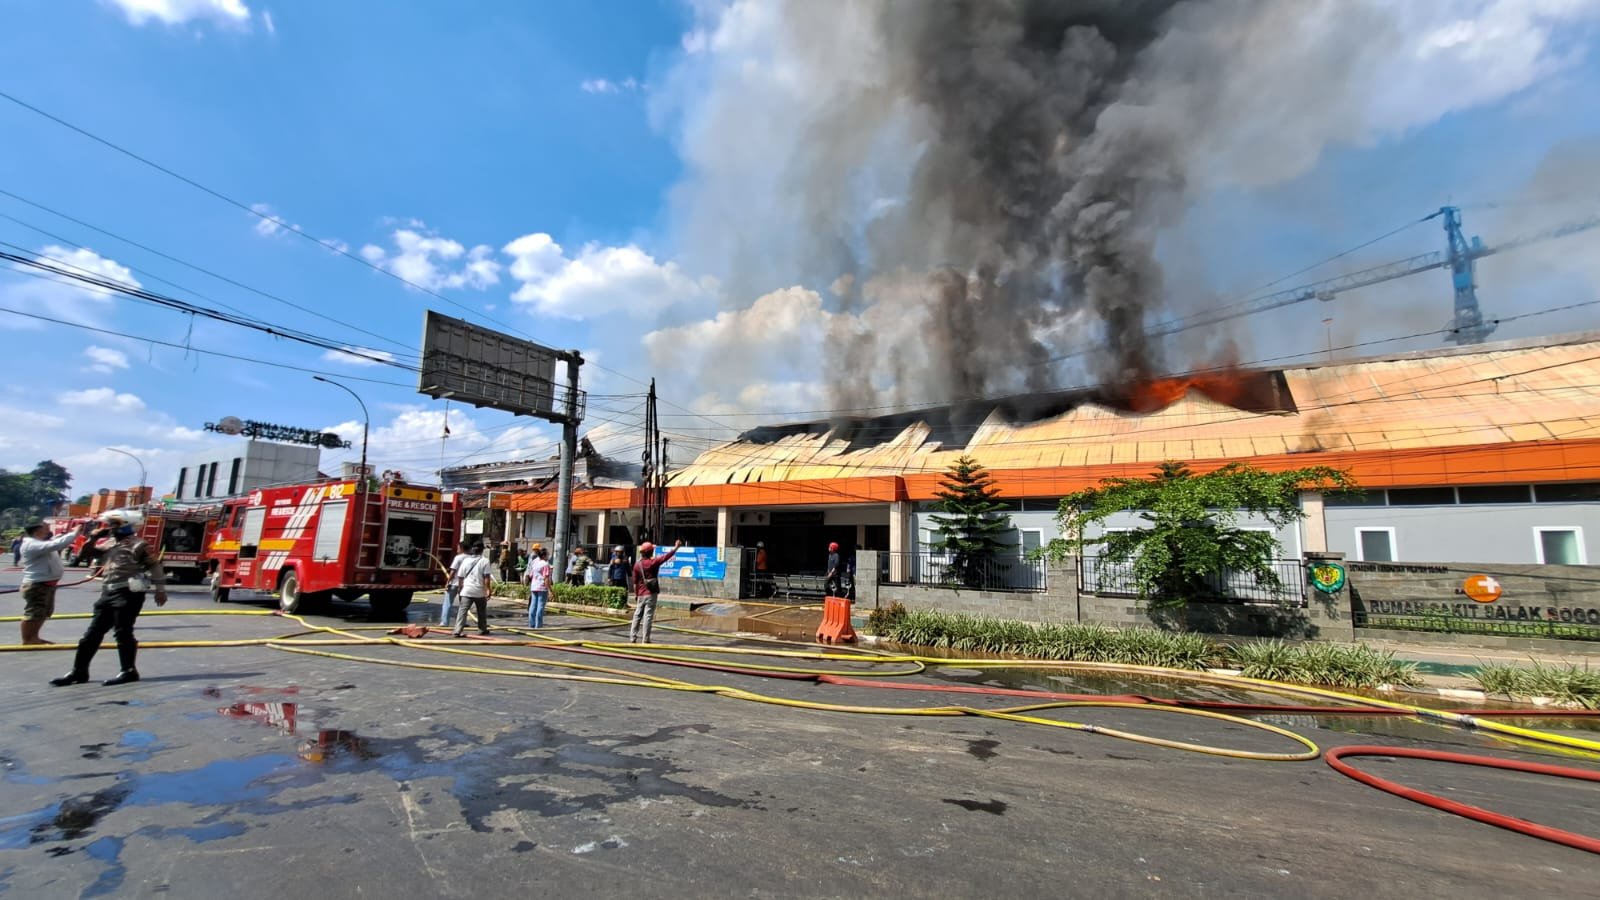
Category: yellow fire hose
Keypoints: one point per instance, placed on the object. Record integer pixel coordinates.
(314, 639)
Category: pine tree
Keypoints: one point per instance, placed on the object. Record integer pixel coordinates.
(971, 527)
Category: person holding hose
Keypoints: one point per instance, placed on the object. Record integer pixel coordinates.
(476, 582)
(41, 572)
(646, 588)
(129, 569)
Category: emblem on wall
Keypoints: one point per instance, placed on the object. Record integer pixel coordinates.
(1328, 577)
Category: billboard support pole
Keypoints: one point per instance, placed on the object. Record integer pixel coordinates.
(569, 449)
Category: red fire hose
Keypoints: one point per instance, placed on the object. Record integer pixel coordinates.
(1336, 756)
(68, 584)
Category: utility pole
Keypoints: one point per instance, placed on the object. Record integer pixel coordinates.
(569, 450)
(654, 474)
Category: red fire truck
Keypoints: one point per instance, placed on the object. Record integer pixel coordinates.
(180, 534)
(310, 542)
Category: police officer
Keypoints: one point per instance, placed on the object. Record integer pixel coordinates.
(129, 569)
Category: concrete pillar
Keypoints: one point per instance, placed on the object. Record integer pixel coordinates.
(901, 540)
(724, 527)
(866, 579)
(1314, 527)
(602, 531)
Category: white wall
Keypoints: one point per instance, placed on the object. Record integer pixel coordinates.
(1475, 533)
(1288, 536)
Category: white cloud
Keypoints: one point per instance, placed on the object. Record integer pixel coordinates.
(57, 296)
(412, 440)
(103, 399)
(358, 356)
(607, 86)
(435, 262)
(105, 359)
(599, 280)
(177, 12)
(266, 19)
(83, 261)
(268, 222)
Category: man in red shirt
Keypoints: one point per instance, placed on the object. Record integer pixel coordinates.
(646, 588)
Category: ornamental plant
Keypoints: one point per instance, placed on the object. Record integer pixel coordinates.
(1191, 535)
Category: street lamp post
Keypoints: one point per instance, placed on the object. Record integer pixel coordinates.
(366, 421)
(142, 474)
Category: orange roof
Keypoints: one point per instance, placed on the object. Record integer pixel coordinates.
(1496, 413)
(1494, 395)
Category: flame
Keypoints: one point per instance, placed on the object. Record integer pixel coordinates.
(1229, 387)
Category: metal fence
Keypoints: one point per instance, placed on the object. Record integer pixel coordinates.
(931, 568)
(1113, 578)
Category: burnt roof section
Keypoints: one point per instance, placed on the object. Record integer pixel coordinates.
(953, 426)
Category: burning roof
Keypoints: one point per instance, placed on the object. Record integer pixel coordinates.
(1492, 394)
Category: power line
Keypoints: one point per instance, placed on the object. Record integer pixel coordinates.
(188, 348)
(328, 245)
(83, 276)
(201, 269)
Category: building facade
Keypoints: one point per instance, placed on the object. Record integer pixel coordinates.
(232, 470)
(1486, 454)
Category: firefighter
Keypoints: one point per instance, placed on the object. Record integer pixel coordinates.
(129, 569)
(646, 589)
(834, 580)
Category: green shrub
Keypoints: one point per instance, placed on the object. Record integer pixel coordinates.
(1271, 660)
(1566, 684)
(1335, 665)
(1089, 643)
(590, 595)
(507, 589)
(1500, 678)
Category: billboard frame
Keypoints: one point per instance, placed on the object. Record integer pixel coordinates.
(486, 368)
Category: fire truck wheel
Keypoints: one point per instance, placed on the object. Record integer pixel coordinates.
(390, 603)
(289, 596)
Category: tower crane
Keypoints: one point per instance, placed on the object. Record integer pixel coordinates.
(1460, 256)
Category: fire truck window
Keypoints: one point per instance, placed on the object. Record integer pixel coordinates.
(250, 535)
(238, 517)
(330, 531)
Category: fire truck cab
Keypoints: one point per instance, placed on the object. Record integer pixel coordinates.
(310, 542)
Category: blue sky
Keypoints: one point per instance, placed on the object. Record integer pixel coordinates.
(540, 166)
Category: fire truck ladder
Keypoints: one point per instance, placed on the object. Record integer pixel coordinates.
(371, 553)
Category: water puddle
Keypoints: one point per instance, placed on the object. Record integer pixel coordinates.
(333, 745)
(277, 715)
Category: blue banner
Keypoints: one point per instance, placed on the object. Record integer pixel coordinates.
(704, 563)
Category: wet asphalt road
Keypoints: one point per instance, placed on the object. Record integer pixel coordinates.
(251, 772)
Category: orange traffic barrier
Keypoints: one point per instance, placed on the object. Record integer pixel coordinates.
(835, 627)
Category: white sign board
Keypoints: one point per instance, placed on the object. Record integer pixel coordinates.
(472, 526)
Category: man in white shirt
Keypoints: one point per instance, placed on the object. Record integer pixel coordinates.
(41, 571)
(476, 576)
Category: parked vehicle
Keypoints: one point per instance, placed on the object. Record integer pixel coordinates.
(310, 542)
(179, 535)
